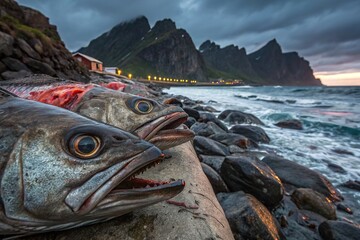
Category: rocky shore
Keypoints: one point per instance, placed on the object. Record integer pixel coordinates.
(264, 196)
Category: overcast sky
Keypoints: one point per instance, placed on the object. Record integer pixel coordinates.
(325, 32)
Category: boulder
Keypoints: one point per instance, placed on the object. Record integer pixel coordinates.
(193, 214)
(255, 133)
(14, 64)
(355, 185)
(6, 44)
(248, 218)
(209, 117)
(215, 180)
(39, 67)
(239, 117)
(173, 101)
(291, 124)
(207, 146)
(205, 108)
(234, 139)
(192, 112)
(206, 129)
(213, 161)
(190, 121)
(25, 47)
(299, 176)
(308, 199)
(8, 75)
(253, 176)
(338, 230)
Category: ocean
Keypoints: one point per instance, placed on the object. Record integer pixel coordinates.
(330, 117)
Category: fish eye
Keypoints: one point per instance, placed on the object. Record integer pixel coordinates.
(85, 146)
(144, 106)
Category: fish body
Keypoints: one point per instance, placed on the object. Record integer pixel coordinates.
(157, 123)
(60, 170)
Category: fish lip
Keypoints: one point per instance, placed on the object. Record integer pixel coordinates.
(150, 129)
(168, 138)
(97, 194)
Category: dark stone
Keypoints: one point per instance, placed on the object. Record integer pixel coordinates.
(213, 161)
(2, 67)
(299, 176)
(192, 112)
(6, 44)
(252, 176)
(344, 208)
(14, 64)
(25, 47)
(255, 133)
(336, 168)
(215, 180)
(206, 129)
(342, 151)
(39, 67)
(8, 75)
(291, 124)
(207, 146)
(248, 218)
(355, 185)
(338, 230)
(238, 117)
(234, 139)
(308, 199)
(190, 121)
(209, 117)
(235, 149)
(173, 101)
(205, 108)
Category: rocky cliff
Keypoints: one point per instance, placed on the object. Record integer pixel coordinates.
(267, 66)
(162, 50)
(30, 44)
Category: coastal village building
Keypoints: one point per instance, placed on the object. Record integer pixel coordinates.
(113, 70)
(89, 62)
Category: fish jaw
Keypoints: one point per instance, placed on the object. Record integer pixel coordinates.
(163, 133)
(100, 187)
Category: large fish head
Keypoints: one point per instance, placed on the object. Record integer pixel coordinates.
(157, 123)
(64, 169)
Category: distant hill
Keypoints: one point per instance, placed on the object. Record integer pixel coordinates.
(164, 50)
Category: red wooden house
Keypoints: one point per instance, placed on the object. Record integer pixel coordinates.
(89, 62)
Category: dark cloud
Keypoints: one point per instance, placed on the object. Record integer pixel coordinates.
(326, 32)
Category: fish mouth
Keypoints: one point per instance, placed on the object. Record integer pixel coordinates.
(118, 182)
(166, 131)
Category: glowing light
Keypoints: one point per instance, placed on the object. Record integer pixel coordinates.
(149, 77)
(129, 75)
(155, 78)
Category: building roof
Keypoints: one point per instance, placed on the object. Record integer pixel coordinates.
(88, 57)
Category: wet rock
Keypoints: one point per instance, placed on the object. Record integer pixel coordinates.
(205, 108)
(173, 101)
(192, 112)
(344, 208)
(308, 199)
(342, 151)
(190, 121)
(206, 129)
(336, 168)
(213, 161)
(248, 218)
(355, 185)
(255, 133)
(209, 117)
(235, 149)
(251, 175)
(238, 117)
(299, 176)
(338, 230)
(207, 146)
(234, 139)
(291, 124)
(215, 180)
(14, 64)
(27, 49)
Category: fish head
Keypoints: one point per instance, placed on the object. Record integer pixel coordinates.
(155, 122)
(65, 169)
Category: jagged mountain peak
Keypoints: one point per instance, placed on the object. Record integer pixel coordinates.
(165, 25)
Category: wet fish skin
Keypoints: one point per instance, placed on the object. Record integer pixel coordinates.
(45, 186)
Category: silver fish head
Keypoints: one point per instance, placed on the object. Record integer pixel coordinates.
(150, 120)
(63, 170)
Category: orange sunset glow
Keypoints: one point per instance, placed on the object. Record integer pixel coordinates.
(339, 78)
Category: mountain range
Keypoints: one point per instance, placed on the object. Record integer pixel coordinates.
(164, 50)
